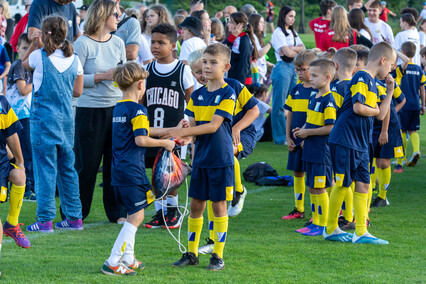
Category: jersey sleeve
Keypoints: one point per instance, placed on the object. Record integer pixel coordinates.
(423, 79)
(189, 111)
(227, 105)
(330, 111)
(246, 99)
(360, 92)
(398, 95)
(289, 101)
(140, 123)
(9, 122)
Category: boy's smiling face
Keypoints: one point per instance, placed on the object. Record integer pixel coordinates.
(161, 47)
(214, 67)
(197, 71)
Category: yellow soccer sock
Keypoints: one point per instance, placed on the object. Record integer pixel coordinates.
(322, 205)
(348, 203)
(238, 184)
(15, 203)
(404, 145)
(210, 216)
(315, 216)
(415, 140)
(299, 193)
(220, 229)
(384, 182)
(336, 199)
(195, 225)
(360, 208)
(329, 189)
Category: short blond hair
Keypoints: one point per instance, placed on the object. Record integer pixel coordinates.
(129, 73)
(305, 57)
(219, 49)
(379, 50)
(346, 58)
(326, 65)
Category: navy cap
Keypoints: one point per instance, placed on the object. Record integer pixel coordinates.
(83, 7)
(193, 24)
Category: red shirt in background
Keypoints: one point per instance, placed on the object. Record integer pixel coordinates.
(318, 26)
(384, 15)
(327, 41)
(19, 29)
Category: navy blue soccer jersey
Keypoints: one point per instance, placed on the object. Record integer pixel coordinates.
(398, 97)
(339, 90)
(352, 130)
(9, 125)
(297, 102)
(321, 112)
(213, 150)
(410, 81)
(128, 160)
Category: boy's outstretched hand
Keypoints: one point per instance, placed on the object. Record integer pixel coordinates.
(169, 145)
(183, 124)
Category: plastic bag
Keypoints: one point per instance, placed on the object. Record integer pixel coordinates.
(168, 173)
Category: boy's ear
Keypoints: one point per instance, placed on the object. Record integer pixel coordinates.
(382, 60)
(173, 45)
(336, 65)
(354, 71)
(141, 84)
(227, 66)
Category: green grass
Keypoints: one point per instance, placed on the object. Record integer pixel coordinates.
(260, 247)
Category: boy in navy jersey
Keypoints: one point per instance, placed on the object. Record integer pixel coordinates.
(320, 119)
(168, 89)
(130, 138)
(297, 106)
(411, 80)
(211, 109)
(345, 61)
(387, 141)
(350, 143)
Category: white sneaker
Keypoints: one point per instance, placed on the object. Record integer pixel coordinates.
(237, 204)
(368, 238)
(338, 235)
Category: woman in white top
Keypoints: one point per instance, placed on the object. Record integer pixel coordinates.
(287, 45)
(258, 24)
(408, 33)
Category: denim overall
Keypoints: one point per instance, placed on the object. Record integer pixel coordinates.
(52, 139)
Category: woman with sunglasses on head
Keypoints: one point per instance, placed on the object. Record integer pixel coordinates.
(287, 45)
(100, 53)
(242, 45)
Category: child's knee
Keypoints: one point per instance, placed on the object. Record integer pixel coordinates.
(17, 177)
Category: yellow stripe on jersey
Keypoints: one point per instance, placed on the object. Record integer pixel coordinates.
(338, 98)
(362, 88)
(399, 75)
(300, 105)
(289, 101)
(423, 80)
(227, 105)
(382, 90)
(140, 122)
(397, 92)
(203, 113)
(315, 118)
(6, 120)
(330, 113)
(242, 99)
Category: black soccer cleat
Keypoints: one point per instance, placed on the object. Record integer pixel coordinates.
(156, 222)
(378, 202)
(345, 225)
(216, 263)
(188, 258)
(173, 218)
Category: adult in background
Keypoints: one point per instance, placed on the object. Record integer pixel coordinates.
(248, 9)
(385, 11)
(320, 25)
(21, 26)
(129, 30)
(287, 44)
(100, 53)
(5, 12)
(380, 30)
(408, 33)
(340, 34)
(357, 21)
(196, 5)
(82, 14)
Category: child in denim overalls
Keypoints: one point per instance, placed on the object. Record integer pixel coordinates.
(57, 78)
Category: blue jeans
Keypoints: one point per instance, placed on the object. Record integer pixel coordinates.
(283, 80)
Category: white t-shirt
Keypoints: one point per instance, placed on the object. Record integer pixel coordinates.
(411, 35)
(58, 59)
(190, 45)
(423, 13)
(261, 62)
(380, 31)
(422, 36)
(144, 52)
(148, 38)
(188, 79)
(278, 40)
(365, 34)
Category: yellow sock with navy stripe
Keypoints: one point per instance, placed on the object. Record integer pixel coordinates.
(404, 145)
(329, 189)
(322, 205)
(195, 225)
(238, 184)
(336, 199)
(210, 216)
(315, 216)
(15, 203)
(384, 182)
(360, 208)
(299, 193)
(415, 140)
(348, 204)
(220, 229)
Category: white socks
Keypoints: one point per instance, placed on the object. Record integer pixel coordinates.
(124, 245)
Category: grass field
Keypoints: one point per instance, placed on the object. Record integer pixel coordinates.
(260, 247)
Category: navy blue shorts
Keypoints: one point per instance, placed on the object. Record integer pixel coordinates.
(135, 197)
(349, 165)
(318, 175)
(392, 149)
(295, 162)
(246, 146)
(4, 179)
(410, 120)
(212, 184)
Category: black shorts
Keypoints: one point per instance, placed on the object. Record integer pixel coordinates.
(135, 197)
(410, 120)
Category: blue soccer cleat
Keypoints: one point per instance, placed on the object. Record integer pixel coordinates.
(338, 235)
(316, 231)
(368, 238)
